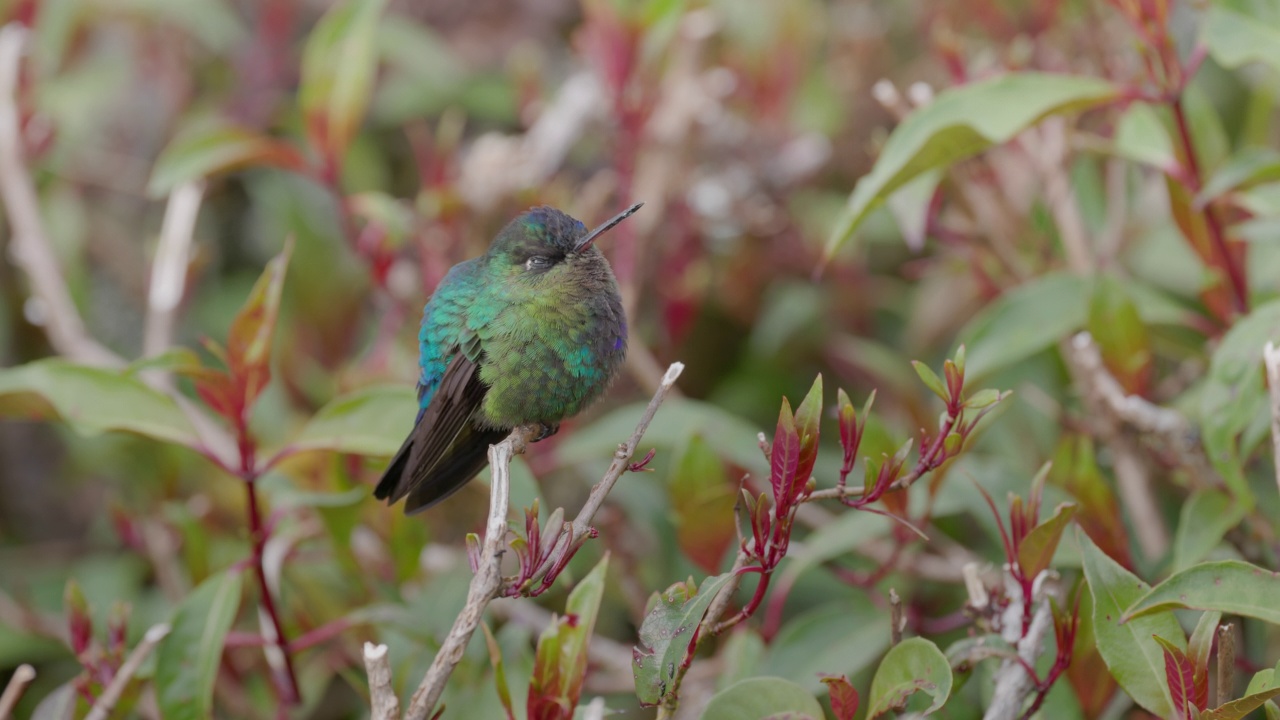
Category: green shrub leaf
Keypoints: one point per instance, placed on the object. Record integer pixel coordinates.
(961, 123)
(911, 666)
(188, 658)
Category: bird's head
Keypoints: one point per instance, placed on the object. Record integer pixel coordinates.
(544, 242)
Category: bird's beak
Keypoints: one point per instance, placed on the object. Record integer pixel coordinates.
(590, 237)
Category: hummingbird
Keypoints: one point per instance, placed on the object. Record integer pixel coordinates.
(529, 333)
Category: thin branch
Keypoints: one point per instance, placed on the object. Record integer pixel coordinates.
(1226, 664)
(1166, 425)
(1271, 358)
(382, 697)
(581, 526)
(18, 683)
(107, 701)
(897, 622)
(484, 584)
(31, 248)
(169, 269)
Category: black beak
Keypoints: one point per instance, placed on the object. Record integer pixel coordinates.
(590, 237)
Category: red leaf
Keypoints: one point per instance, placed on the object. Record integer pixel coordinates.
(249, 340)
(844, 699)
(1180, 673)
(785, 459)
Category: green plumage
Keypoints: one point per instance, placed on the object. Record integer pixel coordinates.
(528, 334)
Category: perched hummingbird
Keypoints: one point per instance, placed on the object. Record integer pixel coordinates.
(527, 334)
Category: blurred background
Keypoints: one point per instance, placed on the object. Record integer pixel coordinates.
(391, 140)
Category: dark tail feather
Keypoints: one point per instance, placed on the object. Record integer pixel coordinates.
(391, 486)
(465, 456)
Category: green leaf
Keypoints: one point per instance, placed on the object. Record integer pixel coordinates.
(1200, 644)
(1237, 709)
(911, 666)
(807, 419)
(702, 501)
(372, 421)
(1120, 334)
(762, 697)
(1233, 398)
(1134, 658)
(962, 122)
(1228, 586)
(92, 400)
(560, 664)
(1039, 545)
(338, 68)
(1254, 165)
(188, 658)
(1205, 518)
(843, 636)
(1243, 31)
(1142, 136)
(666, 633)
(930, 379)
(910, 204)
(1025, 321)
(216, 147)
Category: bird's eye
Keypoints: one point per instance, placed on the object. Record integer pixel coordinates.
(537, 262)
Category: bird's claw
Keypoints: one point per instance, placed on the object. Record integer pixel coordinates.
(546, 430)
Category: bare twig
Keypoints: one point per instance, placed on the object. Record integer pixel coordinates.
(1226, 664)
(1013, 682)
(1049, 155)
(169, 269)
(31, 248)
(107, 701)
(13, 691)
(1271, 357)
(484, 584)
(896, 620)
(382, 697)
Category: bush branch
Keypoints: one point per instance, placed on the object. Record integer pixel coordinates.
(487, 581)
(169, 269)
(107, 701)
(484, 584)
(1013, 681)
(382, 697)
(32, 250)
(1271, 357)
(18, 683)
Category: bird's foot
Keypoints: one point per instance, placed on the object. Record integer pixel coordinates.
(546, 430)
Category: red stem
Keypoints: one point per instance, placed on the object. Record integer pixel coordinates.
(258, 532)
(1217, 236)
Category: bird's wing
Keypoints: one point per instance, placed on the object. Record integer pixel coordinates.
(444, 450)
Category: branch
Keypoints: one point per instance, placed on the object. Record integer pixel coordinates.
(169, 269)
(1013, 682)
(1271, 357)
(487, 581)
(13, 691)
(32, 250)
(581, 526)
(382, 697)
(484, 584)
(1226, 664)
(107, 701)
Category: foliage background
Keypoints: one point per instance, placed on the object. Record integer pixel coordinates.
(391, 140)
